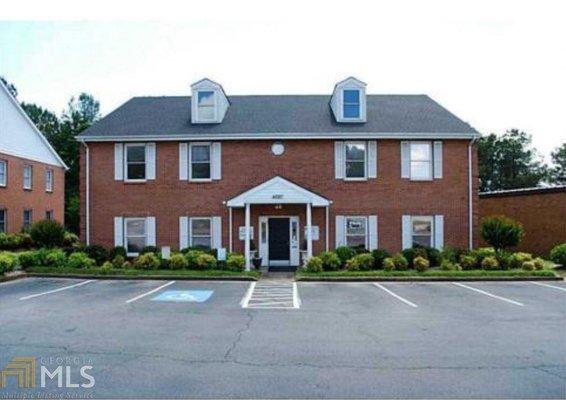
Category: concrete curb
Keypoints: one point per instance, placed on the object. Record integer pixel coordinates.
(8, 278)
(143, 278)
(430, 279)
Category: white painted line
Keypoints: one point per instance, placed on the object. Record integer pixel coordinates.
(56, 290)
(488, 294)
(150, 292)
(271, 303)
(246, 299)
(396, 295)
(550, 286)
(296, 298)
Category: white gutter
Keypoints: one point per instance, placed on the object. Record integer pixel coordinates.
(470, 196)
(87, 199)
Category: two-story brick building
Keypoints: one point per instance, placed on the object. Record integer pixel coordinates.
(240, 172)
(32, 175)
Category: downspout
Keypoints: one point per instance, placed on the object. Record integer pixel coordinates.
(470, 196)
(87, 199)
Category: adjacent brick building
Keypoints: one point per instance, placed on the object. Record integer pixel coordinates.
(542, 211)
(32, 175)
(352, 169)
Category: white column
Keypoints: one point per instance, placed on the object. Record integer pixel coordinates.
(309, 230)
(327, 228)
(230, 229)
(247, 238)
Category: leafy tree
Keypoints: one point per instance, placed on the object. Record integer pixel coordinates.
(11, 88)
(501, 232)
(558, 171)
(509, 162)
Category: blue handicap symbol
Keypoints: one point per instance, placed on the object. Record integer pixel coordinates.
(193, 296)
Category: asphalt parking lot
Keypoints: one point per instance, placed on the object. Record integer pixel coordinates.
(358, 340)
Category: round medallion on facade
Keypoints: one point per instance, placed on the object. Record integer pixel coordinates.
(278, 148)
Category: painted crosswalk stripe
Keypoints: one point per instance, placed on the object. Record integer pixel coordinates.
(489, 294)
(56, 290)
(150, 292)
(549, 286)
(396, 295)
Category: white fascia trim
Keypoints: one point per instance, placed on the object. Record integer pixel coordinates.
(280, 136)
(34, 159)
(30, 122)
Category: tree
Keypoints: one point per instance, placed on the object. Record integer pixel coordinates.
(501, 232)
(11, 88)
(509, 162)
(557, 173)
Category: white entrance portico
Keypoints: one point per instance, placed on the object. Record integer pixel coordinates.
(279, 191)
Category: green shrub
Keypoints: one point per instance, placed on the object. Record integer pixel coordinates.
(70, 239)
(360, 262)
(330, 260)
(178, 261)
(434, 256)
(451, 254)
(25, 240)
(503, 257)
(490, 263)
(192, 256)
(388, 264)
(314, 264)
(447, 265)
(206, 261)
(127, 265)
(98, 253)
(501, 232)
(421, 264)
(236, 262)
(118, 251)
(401, 263)
(11, 241)
(118, 261)
(150, 249)
(47, 233)
(344, 253)
(529, 265)
(56, 258)
(378, 256)
(468, 262)
(483, 252)
(80, 260)
(106, 267)
(147, 261)
(539, 263)
(413, 252)
(28, 259)
(558, 254)
(8, 262)
(516, 260)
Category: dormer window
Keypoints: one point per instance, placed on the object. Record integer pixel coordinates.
(206, 106)
(351, 104)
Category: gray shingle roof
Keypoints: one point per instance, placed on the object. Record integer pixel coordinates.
(287, 114)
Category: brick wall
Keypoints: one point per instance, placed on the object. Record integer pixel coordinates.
(542, 213)
(15, 199)
(309, 164)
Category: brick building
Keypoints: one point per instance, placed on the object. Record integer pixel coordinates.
(32, 175)
(240, 172)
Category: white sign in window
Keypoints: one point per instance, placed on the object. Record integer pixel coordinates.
(242, 232)
(356, 231)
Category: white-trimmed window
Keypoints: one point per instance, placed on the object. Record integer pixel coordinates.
(422, 228)
(421, 161)
(49, 180)
(134, 162)
(28, 177)
(27, 220)
(200, 232)
(135, 235)
(206, 105)
(355, 231)
(3, 220)
(3, 172)
(355, 159)
(200, 162)
(49, 215)
(351, 107)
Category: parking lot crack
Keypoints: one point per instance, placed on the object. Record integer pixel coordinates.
(239, 333)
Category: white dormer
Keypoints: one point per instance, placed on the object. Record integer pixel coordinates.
(208, 102)
(348, 101)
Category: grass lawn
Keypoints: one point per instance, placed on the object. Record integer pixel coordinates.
(137, 273)
(428, 275)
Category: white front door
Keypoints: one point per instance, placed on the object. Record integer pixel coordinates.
(284, 250)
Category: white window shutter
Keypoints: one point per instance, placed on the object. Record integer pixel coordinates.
(437, 154)
(439, 231)
(216, 232)
(150, 161)
(406, 232)
(340, 237)
(339, 160)
(183, 161)
(373, 233)
(372, 159)
(150, 226)
(118, 231)
(183, 232)
(405, 159)
(216, 166)
(118, 161)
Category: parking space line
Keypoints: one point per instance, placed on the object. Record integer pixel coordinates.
(488, 294)
(395, 295)
(31, 296)
(150, 292)
(550, 286)
(246, 299)
(296, 298)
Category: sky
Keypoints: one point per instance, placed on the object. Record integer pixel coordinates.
(497, 65)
